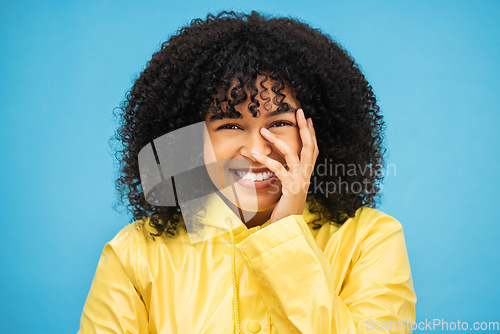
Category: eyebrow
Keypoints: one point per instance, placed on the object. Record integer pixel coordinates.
(221, 116)
(282, 111)
(271, 114)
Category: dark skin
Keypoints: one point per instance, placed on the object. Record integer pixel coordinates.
(283, 143)
(178, 86)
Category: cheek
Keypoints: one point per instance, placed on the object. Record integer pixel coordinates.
(222, 149)
(208, 150)
(216, 154)
(298, 144)
(292, 139)
(214, 146)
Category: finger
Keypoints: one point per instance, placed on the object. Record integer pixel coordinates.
(307, 151)
(315, 140)
(274, 166)
(313, 131)
(291, 158)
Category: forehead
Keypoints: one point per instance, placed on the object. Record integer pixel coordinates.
(262, 96)
(213, 116)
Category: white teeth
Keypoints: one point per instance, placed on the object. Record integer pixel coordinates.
(254, 176)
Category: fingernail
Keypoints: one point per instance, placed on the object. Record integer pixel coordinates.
(310, 121)
(256, 153)
(265, 131)
(301, 113)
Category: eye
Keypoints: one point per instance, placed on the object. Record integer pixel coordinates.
(280, 124)
(229, 126)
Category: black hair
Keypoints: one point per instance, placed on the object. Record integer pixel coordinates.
(178, 86)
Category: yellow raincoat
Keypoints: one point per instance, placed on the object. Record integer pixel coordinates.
(288, 278)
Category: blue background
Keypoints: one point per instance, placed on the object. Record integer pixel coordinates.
(64, 66)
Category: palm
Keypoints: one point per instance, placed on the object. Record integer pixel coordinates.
(294, 180)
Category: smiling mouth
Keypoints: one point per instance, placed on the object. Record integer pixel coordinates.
(251, 176)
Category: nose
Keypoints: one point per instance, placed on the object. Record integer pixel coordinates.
(255, 142)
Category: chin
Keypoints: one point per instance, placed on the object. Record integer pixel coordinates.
(248, 189)
(250, 201)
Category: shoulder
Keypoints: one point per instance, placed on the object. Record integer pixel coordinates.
(367, 218)
(139, 252)
(140, 234)
(369, 223)
(371, 244)
(375, 235)
(130, 236)
(366, 225)
(128, 246)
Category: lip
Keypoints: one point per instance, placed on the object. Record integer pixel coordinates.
(253, 170)
(253, 184)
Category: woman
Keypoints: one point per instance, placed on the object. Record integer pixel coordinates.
(274, 231)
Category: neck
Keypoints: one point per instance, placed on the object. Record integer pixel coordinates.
(258, 218)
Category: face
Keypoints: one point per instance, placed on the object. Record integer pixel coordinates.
(232, 141)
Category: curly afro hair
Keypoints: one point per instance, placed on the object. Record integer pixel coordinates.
(179, 85)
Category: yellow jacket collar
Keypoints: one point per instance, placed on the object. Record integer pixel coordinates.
(216, 218)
